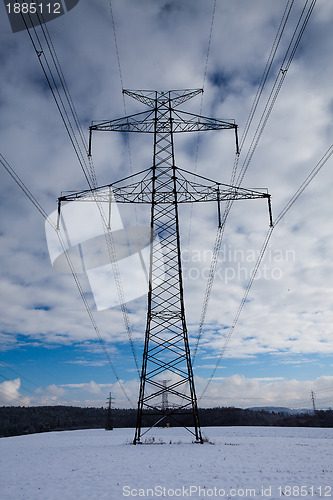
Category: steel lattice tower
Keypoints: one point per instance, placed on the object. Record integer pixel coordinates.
(166, 340)
(164, 186)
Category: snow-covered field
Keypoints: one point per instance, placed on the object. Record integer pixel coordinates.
(239, 462)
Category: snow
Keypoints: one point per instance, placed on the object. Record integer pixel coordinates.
(237, 462)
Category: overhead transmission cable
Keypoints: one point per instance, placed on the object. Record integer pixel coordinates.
(8, 395)
(64, 86)
(120, 291)
(221, 228)
(304, 184)
(329, 389)
(23, 377)
(127, 135)
(266, 72)
(208, 50)
(240, 308)
(70, 103)
(116, 46)
(285, 65)
(281, 215)
(18, 396)
(293, 45)
(90, 176)
(120, 78)
(33, 394)
(200, 112)
(37, 205)
(58, 101)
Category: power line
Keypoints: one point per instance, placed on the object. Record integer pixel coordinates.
(304, 184)
(221, 228)
(267, 70)
(34, 395)
(208, 48)
(121, 83)
(330, 389)
(111, 248)
(240, 308)
(90, 177)
(292, 47)
(200, 112)
(9, 395)
(22, 186)
(209, 285)
(70, 102)
(58, 101)
(108, 234)
(116, 46)
(27, 192)
(23, 377)
(288, 58)
(287, 208)
(282, 214)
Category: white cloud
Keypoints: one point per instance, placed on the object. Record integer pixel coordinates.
(236, 390)
(243, 392)
(57, 392)
(86, 362)
(10, 393)
(81, 393)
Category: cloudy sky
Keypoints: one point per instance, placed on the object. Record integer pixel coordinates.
(281, 347)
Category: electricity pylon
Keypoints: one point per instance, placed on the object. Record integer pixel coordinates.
(109, 423)
(164, 186)
(313, 399)
(165, 400)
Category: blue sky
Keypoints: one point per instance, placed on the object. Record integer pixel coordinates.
(281, 347)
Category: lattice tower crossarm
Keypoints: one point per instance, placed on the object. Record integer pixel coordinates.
(189, 190)
(164, 186)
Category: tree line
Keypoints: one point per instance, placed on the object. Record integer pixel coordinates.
(19, 420)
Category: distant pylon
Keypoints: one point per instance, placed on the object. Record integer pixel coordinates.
(313, 399)
(109, 422)
(165, 401)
